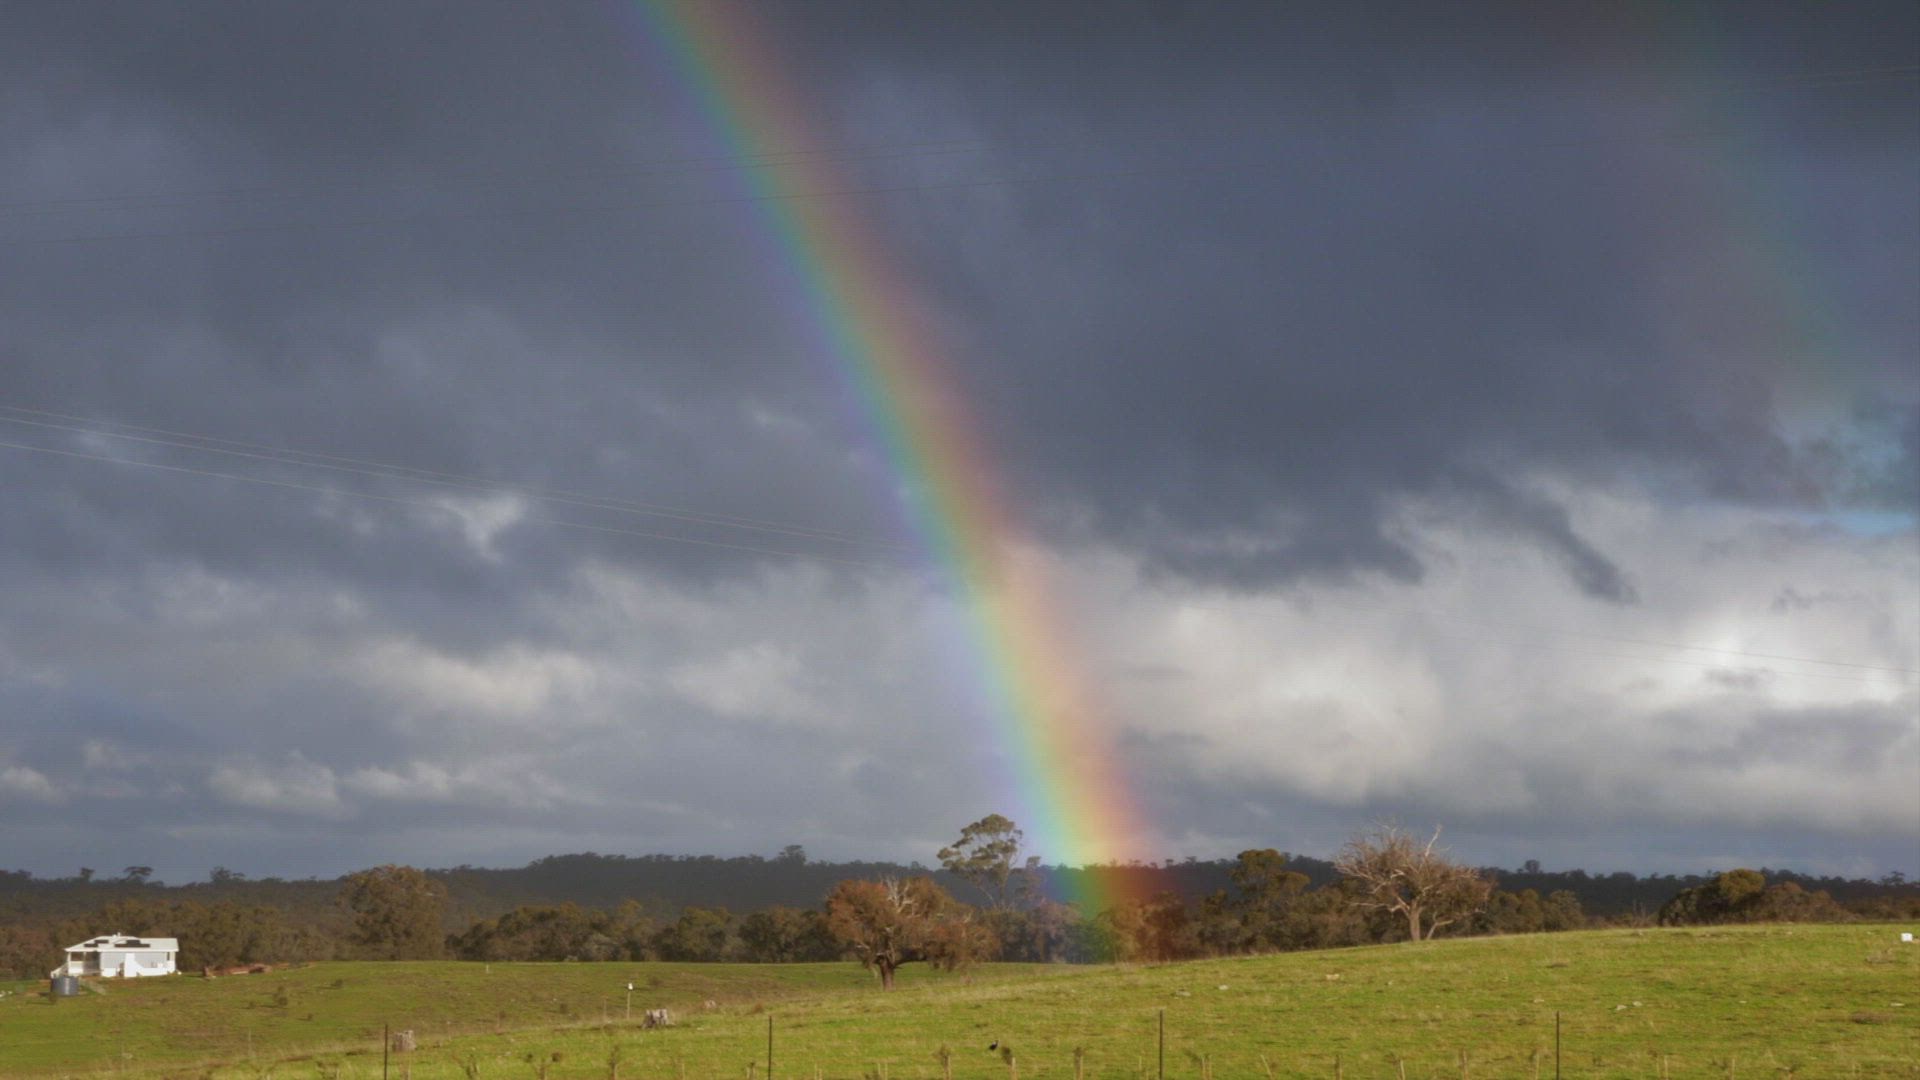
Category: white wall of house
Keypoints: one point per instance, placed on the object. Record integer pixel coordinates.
(110, 957)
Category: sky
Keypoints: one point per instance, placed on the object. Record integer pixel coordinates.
(417, 448)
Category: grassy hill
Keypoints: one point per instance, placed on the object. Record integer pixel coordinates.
(1806, 1001)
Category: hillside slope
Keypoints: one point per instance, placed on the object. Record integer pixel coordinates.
(1829, 1001)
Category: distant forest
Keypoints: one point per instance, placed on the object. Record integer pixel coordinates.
(665, 884)
(758, 908)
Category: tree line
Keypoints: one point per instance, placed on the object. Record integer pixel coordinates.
(984, 902)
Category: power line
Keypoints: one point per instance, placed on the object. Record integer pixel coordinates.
(366, 467)
(897, 565)
(443, 508)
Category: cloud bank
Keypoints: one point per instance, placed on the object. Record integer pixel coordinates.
(1439, 415)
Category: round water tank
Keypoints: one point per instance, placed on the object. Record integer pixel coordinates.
(66, 985)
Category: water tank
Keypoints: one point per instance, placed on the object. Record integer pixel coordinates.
(65, 986)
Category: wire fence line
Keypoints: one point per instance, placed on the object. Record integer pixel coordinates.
(1154, 1051)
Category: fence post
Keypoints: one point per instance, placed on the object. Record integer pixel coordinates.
(386, 1047)
(769, 1046)
(1163, 1044)
(1556, 1044)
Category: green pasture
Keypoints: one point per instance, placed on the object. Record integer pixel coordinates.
(1747, 1002)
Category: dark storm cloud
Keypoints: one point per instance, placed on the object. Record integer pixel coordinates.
(1239, 291)
(374, 225)
(1384, 292)
(1453, 276)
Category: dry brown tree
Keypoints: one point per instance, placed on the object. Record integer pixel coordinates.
(889, 923)
(1395, 872)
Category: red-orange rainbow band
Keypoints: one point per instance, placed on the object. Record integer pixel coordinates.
(1078, 807)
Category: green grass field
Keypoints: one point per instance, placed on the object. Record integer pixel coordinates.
(1751, 1002)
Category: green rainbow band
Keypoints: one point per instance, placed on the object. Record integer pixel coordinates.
(889, 354)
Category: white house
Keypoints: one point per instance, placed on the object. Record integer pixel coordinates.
(121, 956)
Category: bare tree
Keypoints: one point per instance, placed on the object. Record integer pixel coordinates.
(1395, 872)
(889, 923)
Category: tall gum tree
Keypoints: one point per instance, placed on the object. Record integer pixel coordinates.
(397, 912)
(984, 856)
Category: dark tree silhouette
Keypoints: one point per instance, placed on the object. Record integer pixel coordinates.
(396, 913)
(984, 856)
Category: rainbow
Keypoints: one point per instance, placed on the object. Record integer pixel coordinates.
(1076, 804)
(1742, 285)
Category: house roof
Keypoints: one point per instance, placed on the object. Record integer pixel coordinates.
(128, 942)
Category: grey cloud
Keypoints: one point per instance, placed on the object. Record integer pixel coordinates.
(1843, 739)
(1546, 522)
(1232, 289)
(1230, 366)
(26, 783)
(1339, 317)
(1588, 786)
